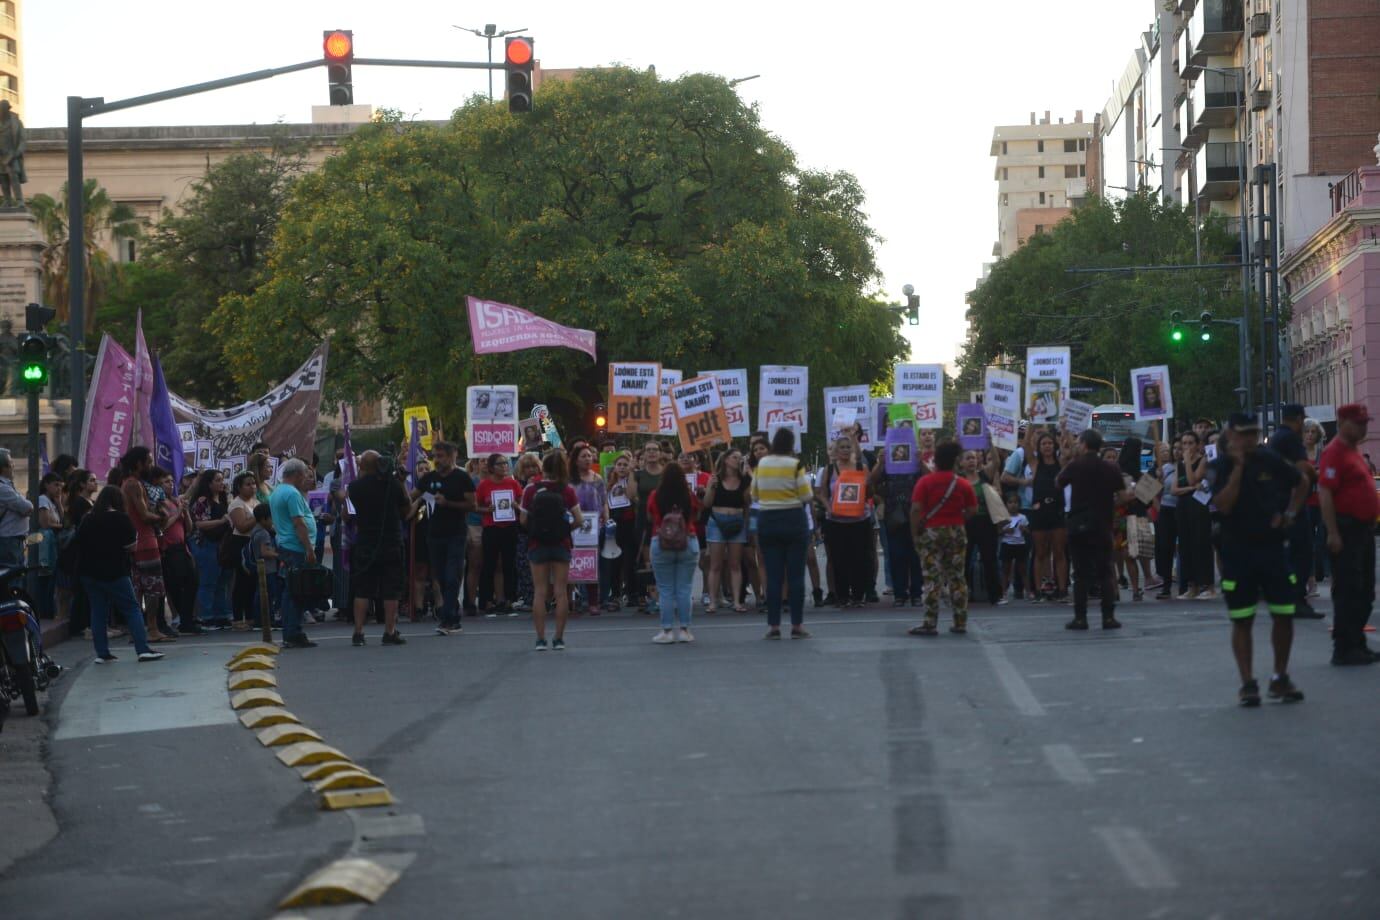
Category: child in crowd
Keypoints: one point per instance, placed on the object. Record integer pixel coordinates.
(263, 547)
(1013, 545)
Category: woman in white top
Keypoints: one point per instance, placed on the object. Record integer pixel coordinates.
(245, 489)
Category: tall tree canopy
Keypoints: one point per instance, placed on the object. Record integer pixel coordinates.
(658, 213)
(1115, 322)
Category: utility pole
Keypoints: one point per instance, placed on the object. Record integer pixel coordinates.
(489, 33)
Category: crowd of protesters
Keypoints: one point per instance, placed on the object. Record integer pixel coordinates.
(1058, 520)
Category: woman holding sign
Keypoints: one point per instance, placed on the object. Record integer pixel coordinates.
(619, 487)
(1047, 519)
(844, 492)
(589, 489)
(496, 498)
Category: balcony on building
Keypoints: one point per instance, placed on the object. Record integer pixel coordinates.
(1215, 27)
(1217, 168)
(1184, 114)
(1358, 189)
(1262, 91)
(1215, 98)
(1188, 66)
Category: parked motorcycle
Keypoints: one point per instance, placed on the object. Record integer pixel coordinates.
(25, 670)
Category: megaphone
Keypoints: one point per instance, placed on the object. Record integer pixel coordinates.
(611, 549)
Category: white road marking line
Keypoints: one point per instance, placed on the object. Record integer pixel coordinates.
(1139, 861)
(1011, 681)
(1067, 765)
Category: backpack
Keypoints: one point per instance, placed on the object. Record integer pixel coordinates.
(248, 564)
(546, 522)
(672, 534)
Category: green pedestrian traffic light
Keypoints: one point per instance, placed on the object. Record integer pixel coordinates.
(33, 362)
(1205, 334)
(1176, 329)
(1205, 326)
(1177, 334)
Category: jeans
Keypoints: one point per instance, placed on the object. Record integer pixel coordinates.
(500, 546)
(448, 567)
(11, 551)
(1353, 584)
(1301, 558)
(212, 583)
(783, 537)
(982, 542)
(1092, 565)
(115, 595)
(1166, 536)
(907, 581)
(675, 577)
(292, 616)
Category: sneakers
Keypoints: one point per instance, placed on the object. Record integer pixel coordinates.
(299, 642)
(105, 659)
(357, 640)
(1249, 694)
(799, 632)
(1188, 596)
(1207, 594)
(392, 638)
(1283, 689)
(704, 600)
(449, 629)
(1078, 623)
(539, 645)
(148, 656)
(773, 633)
(1355, 656)
(818, 597)
(664, 637)
(684, 635)
(1003, 602)
(1305, 611)
(558, 644)
(1111, 623)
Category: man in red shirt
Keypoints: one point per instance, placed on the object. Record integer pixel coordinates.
(1349, 509)
(940, 504)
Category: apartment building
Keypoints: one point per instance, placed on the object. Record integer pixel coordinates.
(1044, 169)
(11, 60)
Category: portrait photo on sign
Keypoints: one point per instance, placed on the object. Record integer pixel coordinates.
(972, 426)
(503, 406)
(531, 433)
(1151, 392)
(849, 493)
(900, 453)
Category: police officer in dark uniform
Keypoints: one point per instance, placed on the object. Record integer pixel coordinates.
(1258, 495)
(1287, 441)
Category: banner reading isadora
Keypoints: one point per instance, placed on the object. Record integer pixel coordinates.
(634, 398)
(491, 423)
(733, 390)
(499, 327)
(783, 397)
(284, 418)
(921, 385)
(699, 412)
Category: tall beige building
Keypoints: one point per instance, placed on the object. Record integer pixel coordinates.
(1043, 171)
(11, 61)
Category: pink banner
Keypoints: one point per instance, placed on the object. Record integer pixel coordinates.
(108, 429)
(584, 566)
(143, 386)
(493, 438)
(497, 327)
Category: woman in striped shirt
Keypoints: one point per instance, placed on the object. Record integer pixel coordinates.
(780, 487)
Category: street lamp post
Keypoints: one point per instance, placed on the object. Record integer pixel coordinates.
(489, 33)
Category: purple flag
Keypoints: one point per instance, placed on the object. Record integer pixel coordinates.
(347, 463)
(167, 441)
(43, 456)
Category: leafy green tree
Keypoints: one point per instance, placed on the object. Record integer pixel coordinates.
(217, 244)
(100, 215)
(1114, 322)
(657, 213)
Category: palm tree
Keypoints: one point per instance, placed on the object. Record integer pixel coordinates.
(99, 214)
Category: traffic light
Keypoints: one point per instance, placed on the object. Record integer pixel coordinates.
(33, 362)
(913, 309)
(517, 64)
(37, 317)
(339, 47)
(601, 419)
(1176, 329)
(1205, 326)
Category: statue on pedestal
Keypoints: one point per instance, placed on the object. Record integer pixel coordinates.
(9, 359)
(12, 142)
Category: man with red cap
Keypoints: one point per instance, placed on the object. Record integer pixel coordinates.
(1349, 509)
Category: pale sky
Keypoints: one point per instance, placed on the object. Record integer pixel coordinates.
(903, 95)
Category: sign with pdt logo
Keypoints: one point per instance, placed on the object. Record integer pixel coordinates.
(699, 412)
(635, 398)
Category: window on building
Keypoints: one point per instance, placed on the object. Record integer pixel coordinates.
(1042, 198)
(1082, 143)
(1070, 146)
(1005, 199)
(1040, 146)
(1003, 174)
(1082, 170)
(1003, 148)
(1039, 228)
(128, 253)
(1070, 172)
(1042, 172)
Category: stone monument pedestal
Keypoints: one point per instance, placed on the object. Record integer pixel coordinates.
(21, 254)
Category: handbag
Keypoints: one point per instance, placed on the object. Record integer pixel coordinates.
(996, 508)
(309, 582)
(729, 527)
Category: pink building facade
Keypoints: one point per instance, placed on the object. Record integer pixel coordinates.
(1333, 283)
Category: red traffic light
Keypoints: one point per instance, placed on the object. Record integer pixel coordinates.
(339, 45)
(519, 52)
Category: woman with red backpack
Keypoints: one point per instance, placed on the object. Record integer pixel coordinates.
(673, 512)
(550, 510)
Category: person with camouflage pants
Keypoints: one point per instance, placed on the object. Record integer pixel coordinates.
(941, 503)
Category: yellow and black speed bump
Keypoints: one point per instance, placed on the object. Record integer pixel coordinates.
(347, 779)
(314, 771)
(252, 663)
(250, 680)
(305, 752)
(264, 716)
(248, 699)
(249, 651)
(345, 881)
(287, 733)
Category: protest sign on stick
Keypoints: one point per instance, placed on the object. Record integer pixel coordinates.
(921, 385)
(634, 398)
(699, 413)
(783, 397)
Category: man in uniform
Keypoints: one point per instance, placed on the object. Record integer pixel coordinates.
(1287, 441)
(1348, 503)
(1258, 496)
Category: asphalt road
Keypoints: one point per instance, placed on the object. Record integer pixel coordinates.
(1020, 771)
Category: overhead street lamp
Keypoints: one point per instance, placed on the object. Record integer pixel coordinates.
(489, 33)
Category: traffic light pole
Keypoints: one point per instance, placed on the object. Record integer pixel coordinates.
(33, 457)
(80, 108)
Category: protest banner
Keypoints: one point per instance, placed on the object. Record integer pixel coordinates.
(607, 459)
(634, 398)
(733, 391)
(584, 555)
(549, 432)
(783, 397)
(858, 401)
(972, 426)
(186, 432)
(900, 415)
(666, 420)
(1077, 416)
(491, 422)
(1150, 391)
(880, 418)
(285, 418)
(699, 413)
(423, 418)
(921, 385)
(1001, 402)
(1046, 382)
(532, 434)
(901, 455)
(499, 327)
